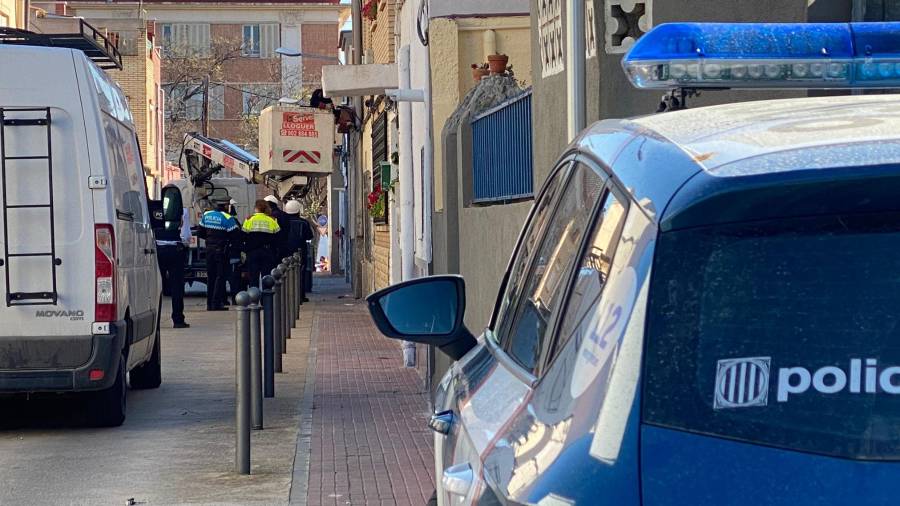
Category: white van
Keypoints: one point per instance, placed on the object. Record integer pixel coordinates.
(79, 274)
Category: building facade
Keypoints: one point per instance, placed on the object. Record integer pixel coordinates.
(12, 13)
(219, 66)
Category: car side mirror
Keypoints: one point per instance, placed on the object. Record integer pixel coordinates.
(171, 204)
(426, 310)
(168, 212)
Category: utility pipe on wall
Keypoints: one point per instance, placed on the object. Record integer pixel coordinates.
(575, 62)
(407, 188)
(489, 41)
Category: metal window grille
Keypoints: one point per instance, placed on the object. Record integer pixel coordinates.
(502, 165)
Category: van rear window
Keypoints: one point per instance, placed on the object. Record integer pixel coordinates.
(783, 333)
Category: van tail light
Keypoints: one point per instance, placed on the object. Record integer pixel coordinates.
(105, 273)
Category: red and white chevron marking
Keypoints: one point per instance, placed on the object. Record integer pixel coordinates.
(301, 156)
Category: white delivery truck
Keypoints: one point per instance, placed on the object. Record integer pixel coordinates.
(81, 288)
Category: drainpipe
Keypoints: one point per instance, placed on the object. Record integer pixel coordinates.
(575, 67)
(428, 168)
(354, 195)
(407, 190)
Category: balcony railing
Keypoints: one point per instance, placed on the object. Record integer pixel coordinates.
(501, 152)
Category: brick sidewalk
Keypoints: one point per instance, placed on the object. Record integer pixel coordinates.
(369, 443)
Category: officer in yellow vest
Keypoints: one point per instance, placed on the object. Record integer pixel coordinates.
(260, 242)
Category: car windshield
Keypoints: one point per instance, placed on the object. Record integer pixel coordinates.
(784, 333)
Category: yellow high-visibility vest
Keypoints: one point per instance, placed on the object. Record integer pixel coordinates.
(261, 222)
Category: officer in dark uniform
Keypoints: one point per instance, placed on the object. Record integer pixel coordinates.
(172, 240)
(220, 231)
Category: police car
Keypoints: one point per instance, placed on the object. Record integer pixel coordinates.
(702, 307)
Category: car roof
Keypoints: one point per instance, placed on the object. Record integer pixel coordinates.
(726, 134)
(710, 150)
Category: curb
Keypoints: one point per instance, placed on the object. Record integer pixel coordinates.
(300, 479)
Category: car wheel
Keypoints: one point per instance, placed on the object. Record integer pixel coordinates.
(106, 408)
(433, 500)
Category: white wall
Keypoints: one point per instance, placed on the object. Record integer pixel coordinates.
(419, 79)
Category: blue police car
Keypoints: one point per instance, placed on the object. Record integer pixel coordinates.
(704, 305)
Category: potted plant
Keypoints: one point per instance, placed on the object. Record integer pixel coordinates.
(497, 63)
(370, 10)
(479, 71)
(376, 201)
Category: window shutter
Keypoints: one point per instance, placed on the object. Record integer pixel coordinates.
(269, 39)
(217, 101)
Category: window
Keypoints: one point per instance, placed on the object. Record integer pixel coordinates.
(519, 265)
(185, 39)
(784, 333)
(216, 102)
(251, 42)
(260, 40)
(540, 299)
(594, 268)
(257, 97)
(184, 101)
(135, 200)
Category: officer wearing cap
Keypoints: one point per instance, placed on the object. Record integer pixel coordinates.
(220, 231)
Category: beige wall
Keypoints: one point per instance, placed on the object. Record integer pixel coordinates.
(487, 234)
(11, 13)
(457, 43)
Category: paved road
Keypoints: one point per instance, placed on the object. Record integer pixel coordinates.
(177, 443)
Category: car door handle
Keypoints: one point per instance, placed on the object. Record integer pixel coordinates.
(148, 251)
(457, 480)
(442, 422)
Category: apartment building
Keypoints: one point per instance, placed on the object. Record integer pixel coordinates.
(231, 44)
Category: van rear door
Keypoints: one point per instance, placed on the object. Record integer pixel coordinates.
(47, 278)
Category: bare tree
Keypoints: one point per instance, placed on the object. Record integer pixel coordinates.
(189, 73)
(314, 198)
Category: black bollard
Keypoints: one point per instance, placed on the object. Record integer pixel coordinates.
(268, 292)
(301, 288)
(256, 399)
(285, 327)
(242, 384)
(289, 291)
(277, 303)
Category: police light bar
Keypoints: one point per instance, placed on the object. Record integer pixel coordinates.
(766, 55)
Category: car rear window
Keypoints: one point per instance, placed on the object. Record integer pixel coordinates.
(784, 333)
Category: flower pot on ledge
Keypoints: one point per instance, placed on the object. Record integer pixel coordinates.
(497, 63)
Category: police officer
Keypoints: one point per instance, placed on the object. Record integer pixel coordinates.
(220, 231)
(260, 242)
(172, 241)
(297, 232)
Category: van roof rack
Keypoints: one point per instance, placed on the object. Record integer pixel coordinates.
(88, 39)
